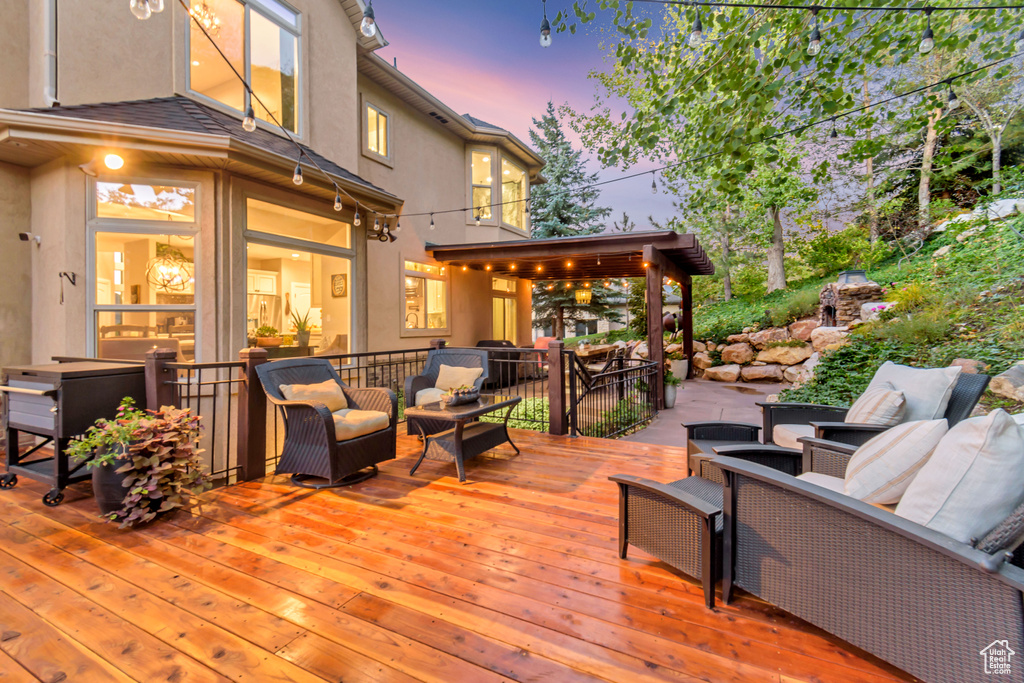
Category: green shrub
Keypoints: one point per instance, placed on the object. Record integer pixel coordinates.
(530, 413)
(923, 327)
(749, 281)
(800, 304)
(791, 343)
(621, 420)
(829, 252)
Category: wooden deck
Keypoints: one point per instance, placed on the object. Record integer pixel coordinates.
(512, 575)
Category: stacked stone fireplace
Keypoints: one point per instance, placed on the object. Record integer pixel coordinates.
(841, 300)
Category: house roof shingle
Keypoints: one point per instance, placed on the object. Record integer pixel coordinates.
(184, 114)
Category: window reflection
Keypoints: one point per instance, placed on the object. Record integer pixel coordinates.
(145, 202)
(426, 297)
(513, 193)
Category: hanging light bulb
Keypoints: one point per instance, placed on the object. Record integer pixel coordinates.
(833, 135)
(338, 206)
(249, 122)
(654, 184)
(141, 9)
(398, 226)
(545, 28)
(927, 38)
(386, 229)
(697, 32)
(357, 220)
(526, 205)
(814, 46)
(477, 217)
(432, 221)
(297, 176)
(368, 26)
(953, 102)
(376, 224)
(156, 6)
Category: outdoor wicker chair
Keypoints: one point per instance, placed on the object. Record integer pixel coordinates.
(909, 595)
(466, 358)
(311, 449)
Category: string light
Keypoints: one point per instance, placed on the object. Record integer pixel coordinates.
(814, 46)
(297, 175)
(249, 122)
(386, 229)
(432, 221)
(545, 28)
(927, 38)
(487, 267)
(338, 206)
(513, 267)
(141, 9)
(833, 135)
(398, 227)
(953, 102)
(477, 217)
(357, 219)
(368, 26)
(465, 268)
(568, 264)
(540, 268)
(376, 224)
(697, 32)
(654, 183)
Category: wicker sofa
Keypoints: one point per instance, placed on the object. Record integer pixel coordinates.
(916, 598)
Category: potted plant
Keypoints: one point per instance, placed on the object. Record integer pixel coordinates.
(678, 365)
(671, 387)
(143, 462)
(266, 336)
(301, 328)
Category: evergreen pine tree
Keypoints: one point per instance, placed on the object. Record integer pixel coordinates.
(565, 207)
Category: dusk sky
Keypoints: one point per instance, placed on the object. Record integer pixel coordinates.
(483, 57)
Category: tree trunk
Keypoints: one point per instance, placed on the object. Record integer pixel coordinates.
(924, 194)
(776, 253)
(997, 153)
(726, 269)
(560, 324)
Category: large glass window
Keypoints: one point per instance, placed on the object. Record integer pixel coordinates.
(481, 172)
(377, 131)
(426, 297)
(140, 201)
(504, 309)
(282, 221)
(513, 193)
(268, 56)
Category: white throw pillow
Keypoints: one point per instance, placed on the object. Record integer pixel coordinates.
(327, 392)
(453, 376)
(881, 470)
(972, 482)
(1019, 419)
(926, 390)
(428, 395)
(878, 405)
(823, 480)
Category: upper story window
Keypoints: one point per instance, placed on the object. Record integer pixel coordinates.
(260, 38)
(497, 190)
(426, 297)
(378, 132)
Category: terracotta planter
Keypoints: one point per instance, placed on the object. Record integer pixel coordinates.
(268, 342)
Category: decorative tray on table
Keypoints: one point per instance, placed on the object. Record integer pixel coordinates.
(461, 396)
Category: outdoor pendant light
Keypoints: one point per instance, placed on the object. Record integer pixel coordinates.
(545, 28)
(697, 32)
(338, 206)
(814, 46)
(953, 102)
(376, 224)
(432, 221)
(141, 9)
(249, 122)
(368, 27)
(356, 220)
(927, 38)
(297, 176)
(386, 229)
(584, 296)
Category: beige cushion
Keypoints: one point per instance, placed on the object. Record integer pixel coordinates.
(428, 395)
(881, 470)
(1019, 419)
(327, 392)
(454, 376)
(348, 423)
(926, 390)
(972, 482)
(878, 405)
(787, 435)
(823, 480)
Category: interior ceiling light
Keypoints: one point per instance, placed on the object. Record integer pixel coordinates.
(206, 18)
(169, 271)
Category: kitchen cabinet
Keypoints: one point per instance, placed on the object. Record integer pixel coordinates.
(261, 282)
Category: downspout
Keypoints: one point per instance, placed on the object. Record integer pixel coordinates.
(50, 53)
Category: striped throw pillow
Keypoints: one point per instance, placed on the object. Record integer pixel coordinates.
(882, 469)
(878, 405)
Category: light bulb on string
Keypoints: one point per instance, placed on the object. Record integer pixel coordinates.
(249, 122)
(432, 226)
(156, 6)
(398, 226)
(357, 220)
(545, 28)
(696, 32)
(477, 217)
(833, 135)
(654, 183)
(814, 46)
(376, 224)
(297, 175)
(338, 206)
(928, 37)
(526, 204)
(141, 9)
(368, 26)
(386, 229)
(952, 102)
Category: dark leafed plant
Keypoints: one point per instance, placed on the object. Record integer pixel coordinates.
(157, 456)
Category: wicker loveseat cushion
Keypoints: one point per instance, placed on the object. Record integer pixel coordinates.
(453, 376)
(972, 482)
(787, 435)
(882, 469)
(428, 395)
(879, 405)
(350, 424)
(927, 390)
(327, 392)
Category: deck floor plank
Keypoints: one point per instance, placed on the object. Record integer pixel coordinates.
(512, 575)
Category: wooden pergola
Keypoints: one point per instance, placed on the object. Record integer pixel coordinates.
(653, 255)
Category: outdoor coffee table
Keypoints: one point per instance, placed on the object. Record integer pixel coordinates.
(467, 438)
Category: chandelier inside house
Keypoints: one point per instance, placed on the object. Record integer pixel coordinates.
(206, 18)
(169, 272)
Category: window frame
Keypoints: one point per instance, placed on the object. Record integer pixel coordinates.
(128, 226)
(526, 193)
(496, 219)
(272, 17)
(506, 296)
(364, 133)
(444, 277)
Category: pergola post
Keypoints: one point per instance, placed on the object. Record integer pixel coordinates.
(655, 336)
(686, 309)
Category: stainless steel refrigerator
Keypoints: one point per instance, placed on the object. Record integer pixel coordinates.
(264, 309)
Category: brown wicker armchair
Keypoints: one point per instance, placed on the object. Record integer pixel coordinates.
(311, 450)
(466, 358)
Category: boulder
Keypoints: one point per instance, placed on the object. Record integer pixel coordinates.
(701, 360)
(772, 334)
(871, 309)
(823, 336)
(1001, 208)
(762, 373)
(771, 398)
(969, 233)
(969, 365)
(698, 346)
(942, 251)
(802, 329)
(711, 346)
(1010, 384)
(737, 338)
(640, 351)
(672, 348)
(737, 353)
(758, 362)
(786, 355)
(796, 373)
(811, 362)
(723, 373)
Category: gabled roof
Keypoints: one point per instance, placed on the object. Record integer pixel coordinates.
(184, 114)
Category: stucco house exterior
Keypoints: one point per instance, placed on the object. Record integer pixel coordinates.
(149, 212)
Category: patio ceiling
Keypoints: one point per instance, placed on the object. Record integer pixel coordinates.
(590, 257)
